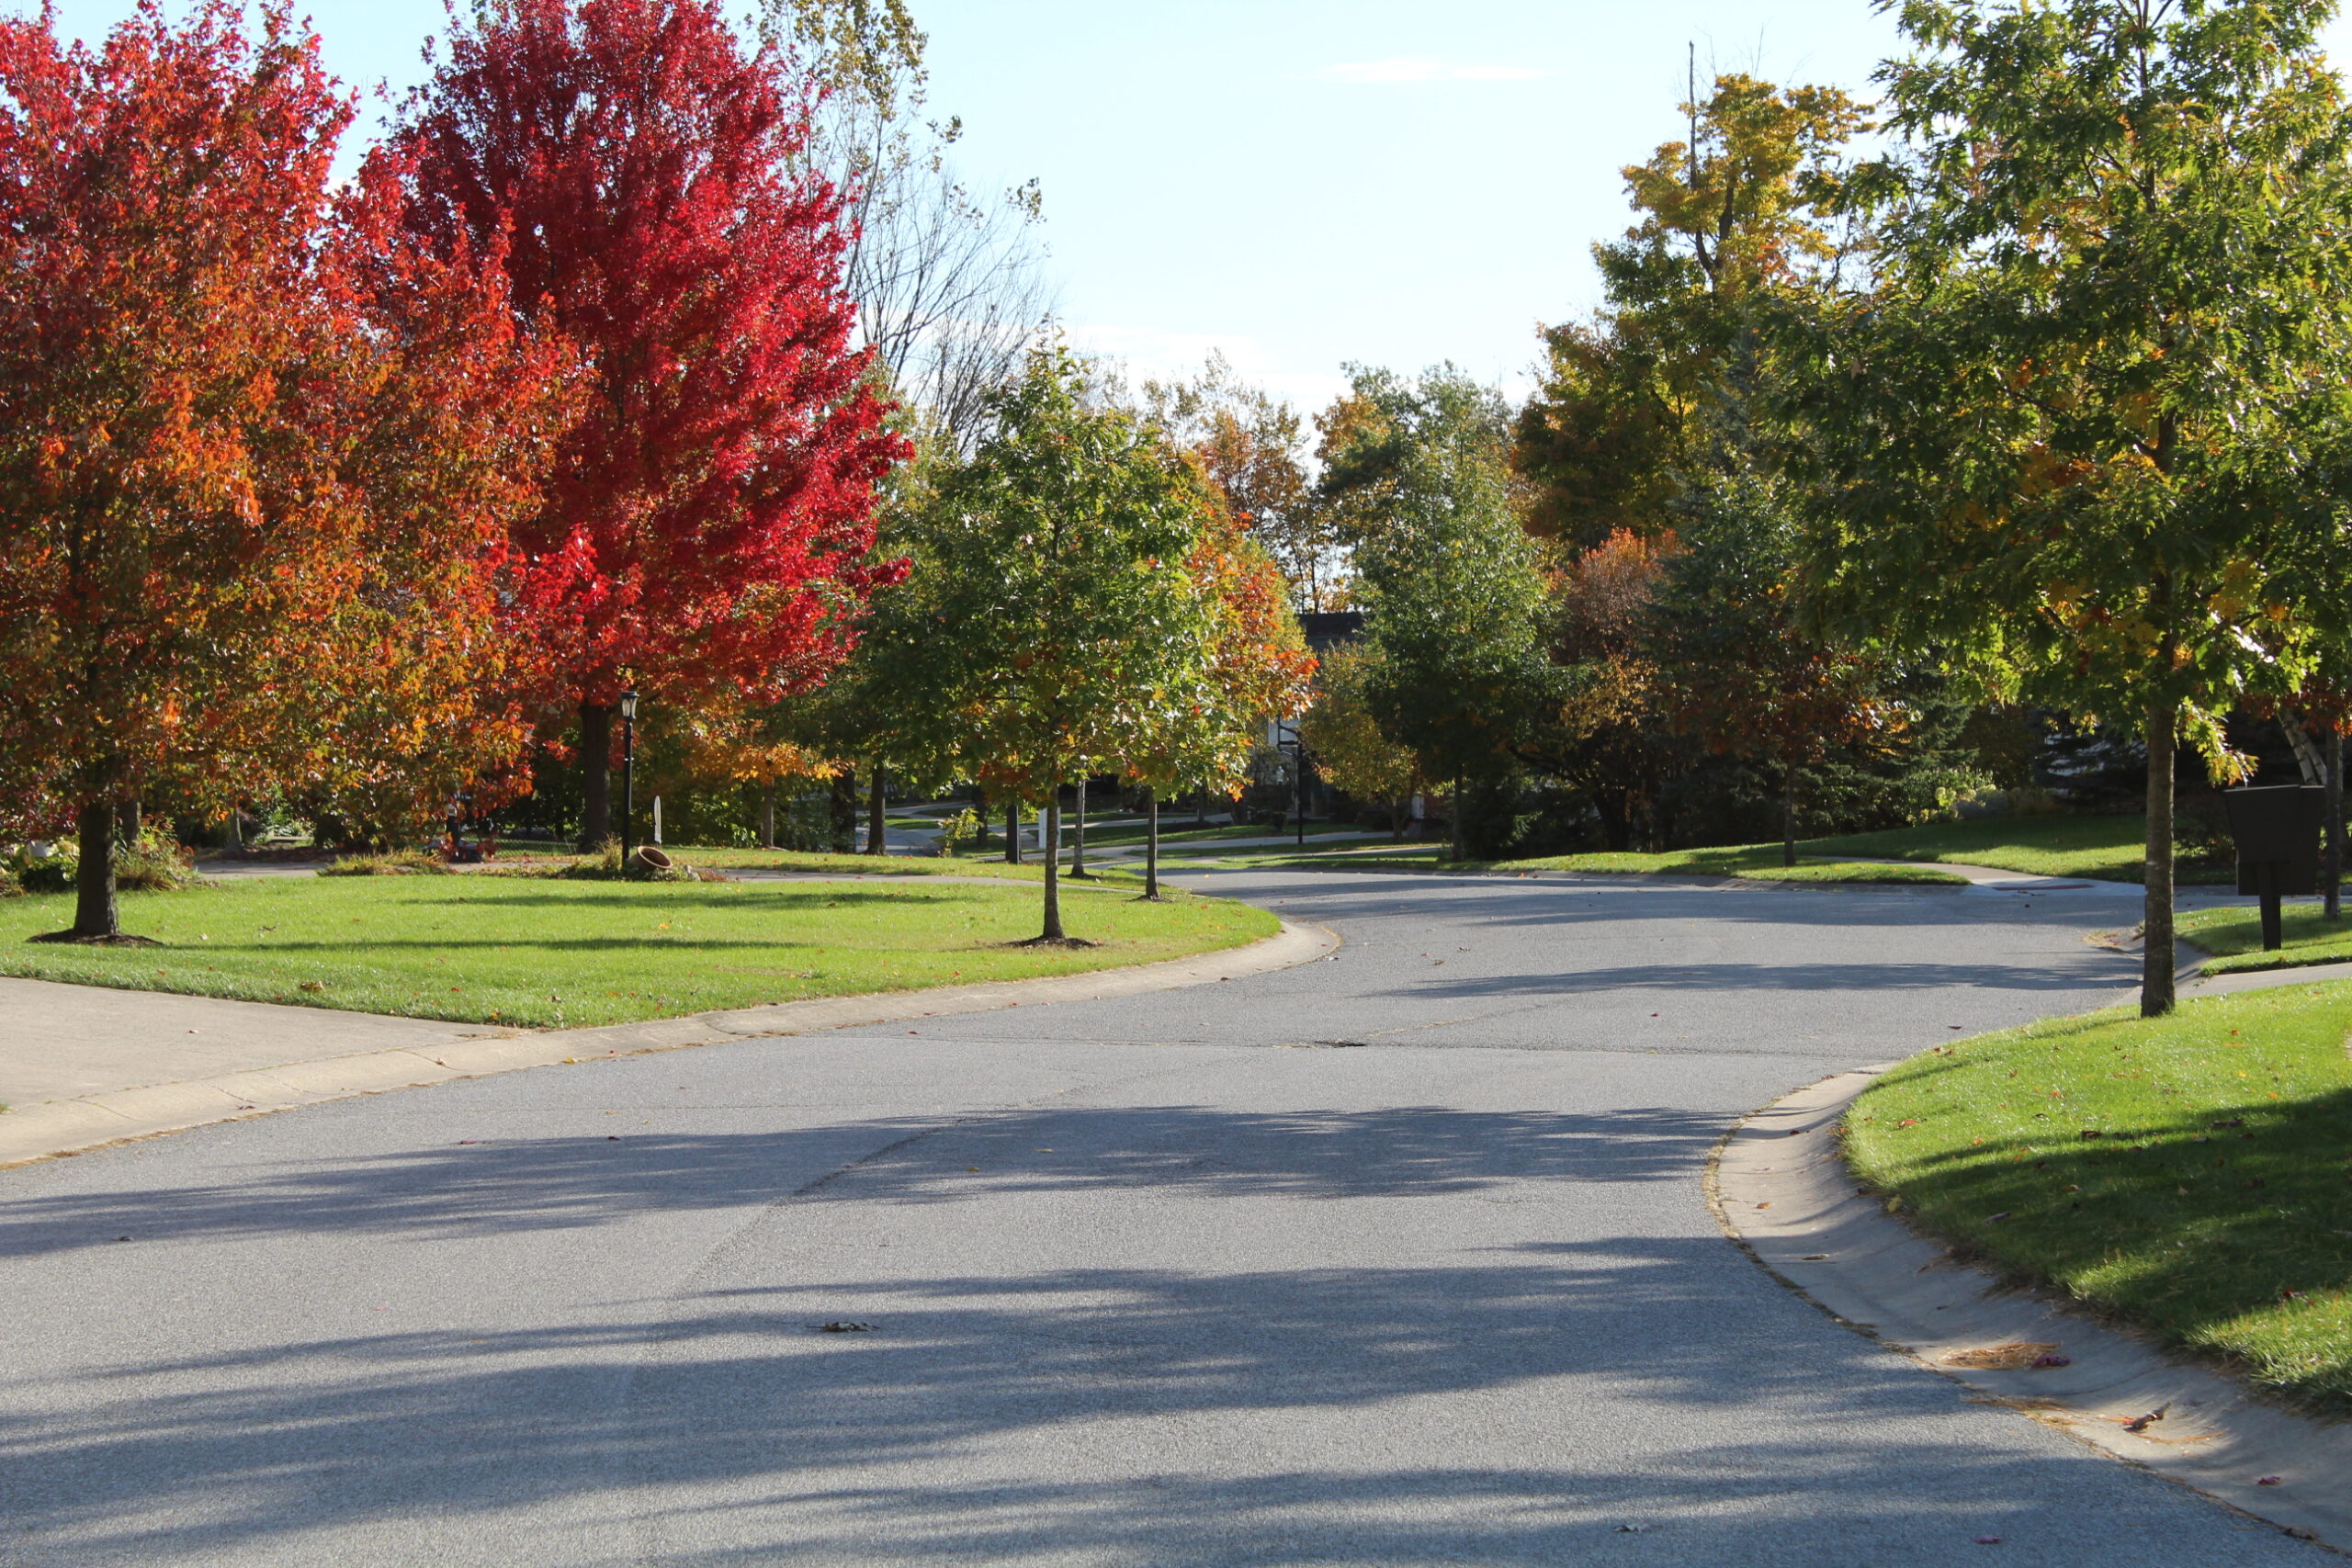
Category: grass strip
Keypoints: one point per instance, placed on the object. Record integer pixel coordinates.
(2105, 848)
(2234, 935)
(539, 952)
(2191, 1173)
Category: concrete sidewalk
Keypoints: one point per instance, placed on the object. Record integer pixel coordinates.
(82, 1066)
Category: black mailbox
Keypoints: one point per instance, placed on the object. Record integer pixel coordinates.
(2277, 830)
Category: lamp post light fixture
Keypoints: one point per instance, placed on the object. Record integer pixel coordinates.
(629, 769)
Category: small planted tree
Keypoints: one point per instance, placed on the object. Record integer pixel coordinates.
(1199, 733)
(1051, 608)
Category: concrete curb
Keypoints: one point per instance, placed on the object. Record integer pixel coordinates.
(1779, 1184)
(55, 1128)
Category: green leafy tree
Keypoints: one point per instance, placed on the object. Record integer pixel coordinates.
(1203, 732)
(2071, 430)
(1052, 606)
(1451, 583)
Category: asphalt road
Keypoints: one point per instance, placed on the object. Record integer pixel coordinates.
(1170, 1280)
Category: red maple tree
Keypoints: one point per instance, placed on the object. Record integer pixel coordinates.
(258, 454)
(709, 515)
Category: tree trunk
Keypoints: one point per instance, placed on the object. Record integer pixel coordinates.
(1053, 932)
(94, 906)
(2156, 954)
(1454, 809)
(595, 776)
(237, 828)
(132, 822)
(767, 814)
(1013, 832)
(2331, 879)
(1151, 844)
(878, 837)
(841, 825)
(2307, 757)
(1078, 847)
(1789, 813)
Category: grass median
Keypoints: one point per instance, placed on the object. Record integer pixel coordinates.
(545, 953)
(2191, 1173)
(2234, 935)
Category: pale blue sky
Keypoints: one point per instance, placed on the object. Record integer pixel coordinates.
(1304, 182)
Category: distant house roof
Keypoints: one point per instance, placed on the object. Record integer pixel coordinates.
(1327, 629)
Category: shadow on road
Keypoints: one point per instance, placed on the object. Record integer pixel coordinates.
(504, 1185)
(967, 1425)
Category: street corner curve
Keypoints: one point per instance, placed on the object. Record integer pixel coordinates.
(1779, 1184)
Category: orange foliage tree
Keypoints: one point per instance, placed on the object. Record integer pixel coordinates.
(256, 454)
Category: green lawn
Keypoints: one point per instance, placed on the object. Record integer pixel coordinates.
(2109, 848)
(542, 952)
(2234, 935)
(2193, 1173)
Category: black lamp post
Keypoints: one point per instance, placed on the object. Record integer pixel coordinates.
(1296, 746)
(629, 769)
(1298, 757)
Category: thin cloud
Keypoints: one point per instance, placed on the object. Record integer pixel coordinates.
(1415, 69)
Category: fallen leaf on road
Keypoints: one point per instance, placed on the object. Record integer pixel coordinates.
(843, 1326)
(2014, 1356)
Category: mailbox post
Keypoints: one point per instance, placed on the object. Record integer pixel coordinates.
(2277, 829)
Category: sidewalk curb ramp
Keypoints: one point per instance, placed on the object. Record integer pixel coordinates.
(49, 1129)
(1779, 1187)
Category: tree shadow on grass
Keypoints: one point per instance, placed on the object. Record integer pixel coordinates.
(2197, 1224)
